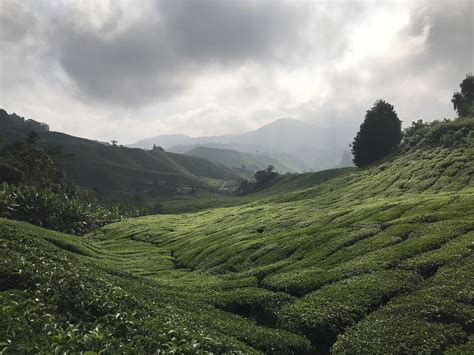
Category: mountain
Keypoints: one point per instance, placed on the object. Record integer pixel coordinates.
(298, 145)
(235, 159)
(107, 169)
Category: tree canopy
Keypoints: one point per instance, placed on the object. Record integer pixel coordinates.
(379, 134)
(463, 101)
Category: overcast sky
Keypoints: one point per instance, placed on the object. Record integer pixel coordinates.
(132, 69)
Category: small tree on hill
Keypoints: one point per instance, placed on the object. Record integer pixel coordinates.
(379, 134)
(463, 101)
(262, 177)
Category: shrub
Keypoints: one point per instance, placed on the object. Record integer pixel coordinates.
(431, 320)
(53, 210)
(322, 314)
(445, 133)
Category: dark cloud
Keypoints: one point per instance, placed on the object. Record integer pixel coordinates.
(171, 44)
(236, 63)
(16, 21)
(230, 31)
(450, 38)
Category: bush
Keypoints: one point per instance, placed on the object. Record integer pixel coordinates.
(322, 314)
(431, 320)
(458, 133)
(53, 210)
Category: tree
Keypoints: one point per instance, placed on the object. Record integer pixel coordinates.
(114, 142)
(32, 137)
(463, 101)
(379, 134)
(263, 177)
(245, 188)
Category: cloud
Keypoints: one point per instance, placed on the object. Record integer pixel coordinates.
(111, 69)
(170, 44)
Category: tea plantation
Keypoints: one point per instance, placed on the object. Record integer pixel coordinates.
(377, 260)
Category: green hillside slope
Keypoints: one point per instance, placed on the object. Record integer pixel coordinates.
(235, 159)
(377, 260)
(109, 169)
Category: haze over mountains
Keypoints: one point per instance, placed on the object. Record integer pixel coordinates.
(295, 144)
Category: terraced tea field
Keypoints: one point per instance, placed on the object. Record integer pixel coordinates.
(378, 260)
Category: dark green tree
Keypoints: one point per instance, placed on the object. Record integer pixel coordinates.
(463, 101)
(263, 177)
(379, 134)
(245, 188)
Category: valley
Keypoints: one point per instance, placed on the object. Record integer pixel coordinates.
(315, 263)
(236, 177)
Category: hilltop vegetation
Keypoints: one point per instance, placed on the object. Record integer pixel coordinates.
(111, 169)
(375, 260)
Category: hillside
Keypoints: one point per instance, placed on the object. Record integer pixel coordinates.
(107, 169)
(298, 145)
(376, 260)
(235, 159)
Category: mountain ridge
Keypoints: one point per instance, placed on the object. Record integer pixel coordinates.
(108, 168)
(307, 146)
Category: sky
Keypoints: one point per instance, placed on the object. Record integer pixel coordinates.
(133, 69)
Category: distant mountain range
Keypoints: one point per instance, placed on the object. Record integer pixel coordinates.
(111, 170)
(296, 145)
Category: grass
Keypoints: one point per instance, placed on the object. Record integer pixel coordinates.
(376, 260)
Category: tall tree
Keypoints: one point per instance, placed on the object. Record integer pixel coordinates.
(379, 134)
(463, 101)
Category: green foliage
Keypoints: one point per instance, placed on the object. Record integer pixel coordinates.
(54, 210)
(458, 133)
(32, 189)
(56, 301)
(323, 314)
(263, 178)
(463, 101)
(29, 164)
(430, 320)
(379, 134)
(377, 260)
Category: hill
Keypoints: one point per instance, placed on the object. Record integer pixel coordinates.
(108, 169)
(298, 145)
(235, 159)
(376, 260)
